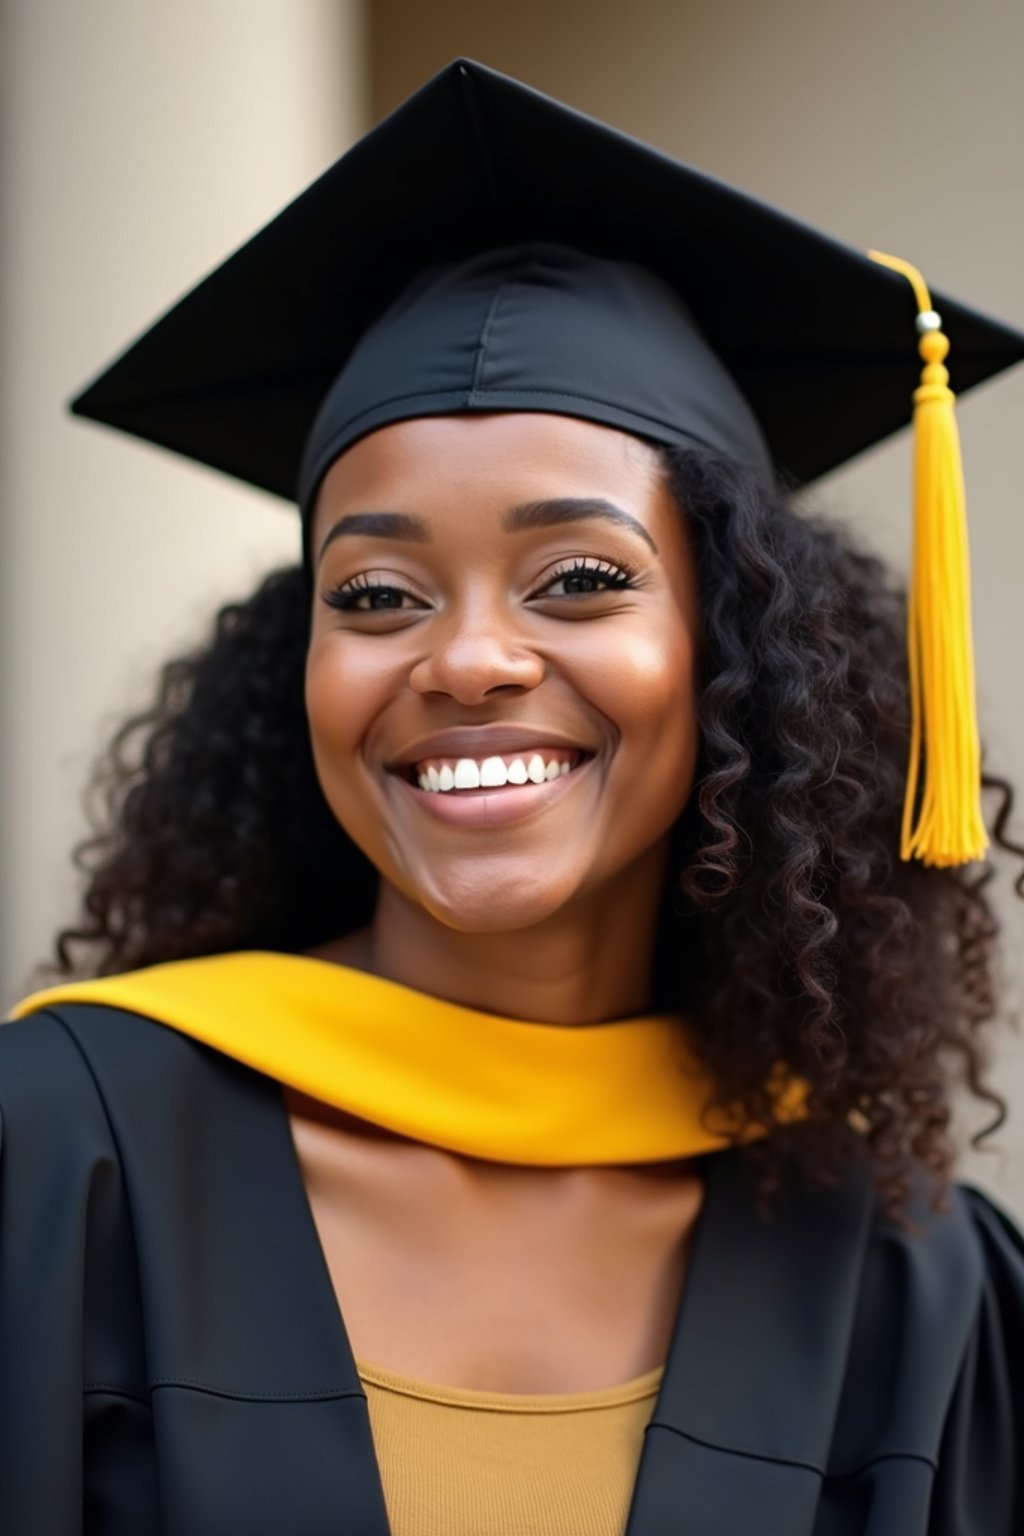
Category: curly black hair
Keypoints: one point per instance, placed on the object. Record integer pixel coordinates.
(791, 932)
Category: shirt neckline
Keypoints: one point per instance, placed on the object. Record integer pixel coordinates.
(630, 1391)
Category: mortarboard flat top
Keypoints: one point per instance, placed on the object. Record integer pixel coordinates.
(818, 337)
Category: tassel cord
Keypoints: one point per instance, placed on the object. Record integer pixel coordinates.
(943, 787)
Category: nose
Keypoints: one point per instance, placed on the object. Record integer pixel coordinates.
(475, 655)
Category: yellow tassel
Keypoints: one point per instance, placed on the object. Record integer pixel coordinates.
(949, 829)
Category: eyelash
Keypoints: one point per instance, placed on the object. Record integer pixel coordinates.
(615, 578)
(345, 596)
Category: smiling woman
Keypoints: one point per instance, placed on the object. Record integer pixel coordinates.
(543, 612)
(500, 1078)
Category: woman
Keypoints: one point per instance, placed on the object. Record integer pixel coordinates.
(516, 1091)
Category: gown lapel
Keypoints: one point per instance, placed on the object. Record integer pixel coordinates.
(260, 1422)
(740, 1434)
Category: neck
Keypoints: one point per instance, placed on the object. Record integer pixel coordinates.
(583, 965)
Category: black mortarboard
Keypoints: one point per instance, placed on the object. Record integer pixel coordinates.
(488, 248)
(814, 333)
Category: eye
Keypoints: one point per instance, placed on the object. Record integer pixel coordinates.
(584, 577)
(363, 595)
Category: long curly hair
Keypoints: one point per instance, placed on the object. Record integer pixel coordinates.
(791, 931)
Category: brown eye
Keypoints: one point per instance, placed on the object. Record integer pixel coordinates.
(581, 581)
(362, 596)
(585, 578)
(382, 597)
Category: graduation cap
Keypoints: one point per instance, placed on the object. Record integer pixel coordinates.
(488, 248)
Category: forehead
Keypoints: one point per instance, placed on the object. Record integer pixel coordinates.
(435, 464)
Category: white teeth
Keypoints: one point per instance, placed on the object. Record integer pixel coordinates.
(493, 773)
(467, 774)
(490, 773)
(535, 769)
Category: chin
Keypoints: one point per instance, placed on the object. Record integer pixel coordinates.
(493, 904)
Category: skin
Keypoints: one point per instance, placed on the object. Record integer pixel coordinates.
(501, 1278)
(553, 919)
(448, 1268)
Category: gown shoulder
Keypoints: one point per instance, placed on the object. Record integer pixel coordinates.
(979, 1487)
(74, 1412)
(173, 1357)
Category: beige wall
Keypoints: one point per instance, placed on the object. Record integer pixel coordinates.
(141, 143)
(891, 124)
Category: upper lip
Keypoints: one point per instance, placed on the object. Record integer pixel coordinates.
(480, 741)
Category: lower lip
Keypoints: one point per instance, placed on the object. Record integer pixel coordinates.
(485, 809)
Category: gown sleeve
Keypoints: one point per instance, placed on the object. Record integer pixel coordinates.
(979, 1487)
(75, 1442)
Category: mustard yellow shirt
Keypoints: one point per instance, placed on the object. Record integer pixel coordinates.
(456, 1462)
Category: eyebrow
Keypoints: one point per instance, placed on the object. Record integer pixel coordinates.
(379, 525)
(530, 514)
(572, 509)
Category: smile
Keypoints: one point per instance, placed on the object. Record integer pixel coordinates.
(478, 804)
(449, 775)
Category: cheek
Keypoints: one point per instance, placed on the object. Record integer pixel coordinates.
(662, 714)
(657, 671)
(647, 690)
(344, 694)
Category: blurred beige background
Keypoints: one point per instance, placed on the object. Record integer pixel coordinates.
(140, 143)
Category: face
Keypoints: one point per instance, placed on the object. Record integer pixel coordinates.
(500, 680)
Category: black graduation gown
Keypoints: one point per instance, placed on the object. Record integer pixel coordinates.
(172, 1357)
